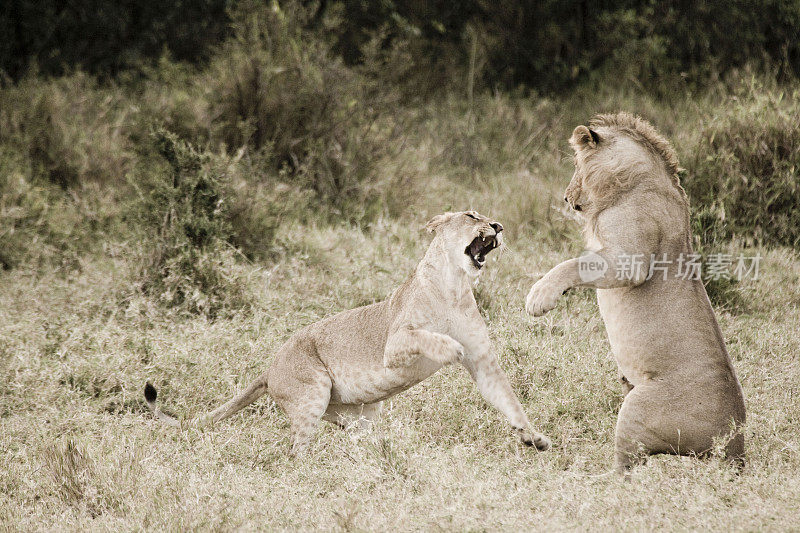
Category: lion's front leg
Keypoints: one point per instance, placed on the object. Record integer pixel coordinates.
(408, 344)
(609, 271)
(494, 386)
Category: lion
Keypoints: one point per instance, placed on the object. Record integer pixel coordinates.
(343, 367)
(681, 391)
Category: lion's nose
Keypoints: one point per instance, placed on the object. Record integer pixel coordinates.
(576, 207)
(497, 227)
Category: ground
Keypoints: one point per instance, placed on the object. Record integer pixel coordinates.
(79, 449)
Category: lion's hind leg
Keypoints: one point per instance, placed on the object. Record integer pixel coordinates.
(641, 428)
(660, 417)
(299, 383)
(304, 413)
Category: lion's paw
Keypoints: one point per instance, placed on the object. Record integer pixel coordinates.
(457, 349)
(542, 298)
(531, 438)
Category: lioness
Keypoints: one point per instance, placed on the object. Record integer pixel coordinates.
(343, 367)
(681, 391)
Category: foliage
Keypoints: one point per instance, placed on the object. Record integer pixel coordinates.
(276, 129)
(550, 45)
(41, 225)
(184, 258)
(259, 204)
(745, 167)
(276, 89)
(31, 216)
(105, 37)
(723, 291)
(544, 45)
(71, 130)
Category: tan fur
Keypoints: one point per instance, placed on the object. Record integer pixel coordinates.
(343, 367)
(681, 389)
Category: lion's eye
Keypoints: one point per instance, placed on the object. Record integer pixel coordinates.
(470, 215)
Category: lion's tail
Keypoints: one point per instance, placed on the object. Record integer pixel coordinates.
(253, 392)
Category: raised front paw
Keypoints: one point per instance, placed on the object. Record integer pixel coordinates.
(457, 351)
(543, 297)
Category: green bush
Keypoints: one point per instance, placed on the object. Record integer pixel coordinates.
(277, 90)
(106, 37)
(492, 135)
(744, 176)
(185, 260)
(70, 129)
(41, 224)
(723, 291)
(25, 212)
(259, 204)
(547, 45)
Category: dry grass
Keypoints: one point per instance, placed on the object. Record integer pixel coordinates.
(78, 450)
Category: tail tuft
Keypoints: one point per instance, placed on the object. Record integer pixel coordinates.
(150, 393)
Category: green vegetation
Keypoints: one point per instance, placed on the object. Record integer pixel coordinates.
(173, 213)
(186, 258)
(746, 164)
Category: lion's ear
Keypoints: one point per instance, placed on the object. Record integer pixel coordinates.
(583, 136)
(436, 221)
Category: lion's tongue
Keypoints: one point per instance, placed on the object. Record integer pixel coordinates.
(476, 248)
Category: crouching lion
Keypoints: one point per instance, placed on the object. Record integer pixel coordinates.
(681, 391)
(343, 367)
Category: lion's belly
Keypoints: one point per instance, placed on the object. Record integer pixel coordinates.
(613, 311)
(644, 341)
(663, 328)
(374, 383)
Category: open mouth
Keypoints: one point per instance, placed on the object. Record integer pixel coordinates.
(480, 246)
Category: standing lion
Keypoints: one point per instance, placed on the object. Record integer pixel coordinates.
(681, 391)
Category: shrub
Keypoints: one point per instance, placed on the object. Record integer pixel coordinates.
(71, 130)
(723, 291)
(744, 174)
(170, 95)
(42, 224)
(259, 204)
(489, 136)
(106, 38)
(24, 211)
(185, 259)
(277, 90)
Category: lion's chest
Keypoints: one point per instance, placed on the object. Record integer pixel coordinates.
(374, 383)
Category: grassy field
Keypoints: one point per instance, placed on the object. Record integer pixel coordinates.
(178, 227)
(80, 451)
